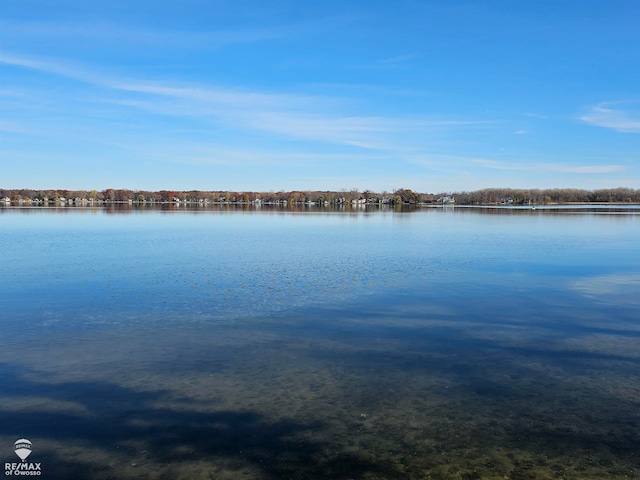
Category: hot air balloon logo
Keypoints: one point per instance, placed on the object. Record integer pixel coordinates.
(23, 448)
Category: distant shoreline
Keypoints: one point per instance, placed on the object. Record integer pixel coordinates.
(301, 206)
(506, 197)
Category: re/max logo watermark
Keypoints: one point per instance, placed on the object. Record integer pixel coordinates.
(22, 468)
(23, 449)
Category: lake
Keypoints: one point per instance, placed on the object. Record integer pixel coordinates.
(439, 343)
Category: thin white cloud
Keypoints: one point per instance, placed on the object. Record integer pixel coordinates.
(221, 96)
(316, 118)
(547, 167)
(91, 32)
(442, 161)
(234, 110)
(15, 128)
(593, 169)
(603, 115)
(366, 132)
(121, 35)
(377, 133)
(196, 94)
(57, 67)
(216, 155)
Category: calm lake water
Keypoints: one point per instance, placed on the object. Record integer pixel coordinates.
(443, 343)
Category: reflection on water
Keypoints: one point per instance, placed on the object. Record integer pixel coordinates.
(426, 344)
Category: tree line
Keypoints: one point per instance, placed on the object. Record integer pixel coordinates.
(494, 196)
(487, 196)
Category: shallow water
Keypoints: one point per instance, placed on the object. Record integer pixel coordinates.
(437, 343)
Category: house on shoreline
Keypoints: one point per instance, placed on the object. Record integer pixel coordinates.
(446, 200)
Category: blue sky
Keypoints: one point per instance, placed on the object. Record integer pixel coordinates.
(298, 94)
